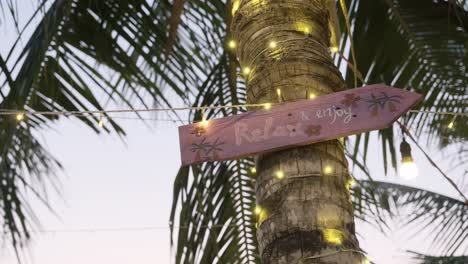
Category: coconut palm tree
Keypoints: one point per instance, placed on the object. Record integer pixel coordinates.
(141, 53)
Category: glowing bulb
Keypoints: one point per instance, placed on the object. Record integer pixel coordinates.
(235, 6)
(278, 91)
(258, 210)
(232, 44)
(328, 169)
(366, 261)
(246, 71)
(280, 175)
(451, 125)
(312, 96)
(333, 236)
(204, 121)
(334, 49)
(273, 44)
(350, 183)
(267, 106)
(302, 27)
(408, 170)
(101, 122)
(20, 117)
(253, 170)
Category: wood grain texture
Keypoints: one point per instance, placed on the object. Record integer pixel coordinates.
(296, 123)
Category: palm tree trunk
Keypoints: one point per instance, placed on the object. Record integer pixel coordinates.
(285, 43)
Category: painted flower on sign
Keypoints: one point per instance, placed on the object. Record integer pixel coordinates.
(350, 100)
(313, 130)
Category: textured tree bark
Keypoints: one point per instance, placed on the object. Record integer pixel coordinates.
(285, 45)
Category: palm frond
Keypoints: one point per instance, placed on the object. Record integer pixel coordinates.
(426, 259)
(418, 45)
(83, 53)
(445, 217)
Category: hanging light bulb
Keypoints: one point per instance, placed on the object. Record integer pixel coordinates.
(312, 96)
(267, 106)
(333, 236)
(253, 170)
(408, 169)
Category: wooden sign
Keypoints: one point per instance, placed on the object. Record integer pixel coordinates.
(294, 124)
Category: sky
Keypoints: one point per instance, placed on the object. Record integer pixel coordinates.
(117, 194)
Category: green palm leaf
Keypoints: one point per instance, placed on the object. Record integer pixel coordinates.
(445, 217)
(419, 45)
(426, 259)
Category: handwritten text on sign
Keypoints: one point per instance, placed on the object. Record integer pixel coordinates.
(294, 124)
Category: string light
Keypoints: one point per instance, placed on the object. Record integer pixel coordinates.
(258, 210)
(366, 261)
(280, 174)
(328, 169)
(204, 121)
(267, 106)
(246, 70)
(408, 169)
(302, 27)
(20, 117)
(333, 236)
(101, 122)
(253, 170)
(350, 183)
(172, 109)
(312, 96)
(452, 123)
(235, 6)
(334, 49)
(273, 44)
(232, 44)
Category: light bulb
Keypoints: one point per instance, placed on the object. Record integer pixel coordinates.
(366, 261)
(235, 6)
(328, 169)
(20, 117)
(280, 175)
(312, 96)
(267, 106)
(450, 125)
(334, 49)
(232, 44)
(246, 71)
(273, 44)
(258, 210)
(333, 236)
(253, 170)
(408, 170)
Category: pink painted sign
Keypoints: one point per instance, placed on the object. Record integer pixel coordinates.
(296, 123)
